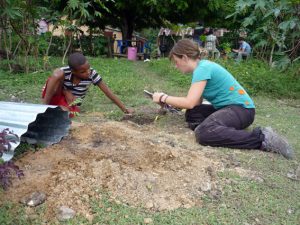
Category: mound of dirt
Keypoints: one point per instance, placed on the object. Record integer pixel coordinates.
(138, 166)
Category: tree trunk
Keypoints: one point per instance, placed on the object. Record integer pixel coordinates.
(127, 29)
(271, 54)
(7, 50)
(46, 56)
(1, 37)
(67, 49)
(26, 58)
(91, 41)
(109, 47)
(16, 49)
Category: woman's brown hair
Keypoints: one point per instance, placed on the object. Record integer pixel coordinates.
(189, 48)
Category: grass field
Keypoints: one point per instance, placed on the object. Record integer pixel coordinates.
(274, 199)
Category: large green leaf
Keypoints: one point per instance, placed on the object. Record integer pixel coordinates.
(249, 21)
(262, 43)
(292, 25)
(298, 58)
(12, 12)
(282, 63)
(260, 4)
(284, 25)
(243, 4)
(73, 4)
(276, 12)
(84, 13)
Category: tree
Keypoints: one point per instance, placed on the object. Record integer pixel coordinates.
(134, 15)
(274, 26)
(18, 26)
(74, 13)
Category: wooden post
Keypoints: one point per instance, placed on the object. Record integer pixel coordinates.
(109, 37)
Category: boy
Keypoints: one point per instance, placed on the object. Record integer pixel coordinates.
(72, 82)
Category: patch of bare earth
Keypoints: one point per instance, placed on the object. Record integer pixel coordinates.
(138, 165)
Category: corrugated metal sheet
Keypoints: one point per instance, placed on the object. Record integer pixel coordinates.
(34, 123)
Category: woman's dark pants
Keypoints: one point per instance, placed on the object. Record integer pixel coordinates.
(224, 127)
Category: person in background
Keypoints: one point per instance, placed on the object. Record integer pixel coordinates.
(70, 83)
(244, 49)
(198, 31)
(211, 43)
(221, 123)
(163, 44)
(43, 26)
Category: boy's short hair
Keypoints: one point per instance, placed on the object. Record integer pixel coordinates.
(76, 59)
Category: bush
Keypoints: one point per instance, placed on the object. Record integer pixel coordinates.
(231, 38)
(259, 79)
(90, 46)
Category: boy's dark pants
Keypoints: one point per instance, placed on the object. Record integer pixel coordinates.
(224, 127)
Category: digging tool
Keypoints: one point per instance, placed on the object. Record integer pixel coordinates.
(165, 106)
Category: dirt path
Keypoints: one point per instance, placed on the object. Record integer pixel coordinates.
(139, 165)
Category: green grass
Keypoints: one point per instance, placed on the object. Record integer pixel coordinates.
(128, 79)
(276, 200)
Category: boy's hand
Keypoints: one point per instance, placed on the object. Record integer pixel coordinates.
(69, 96)
(128, 114)
(128, 111)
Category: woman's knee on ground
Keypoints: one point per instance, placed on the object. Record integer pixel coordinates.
(193, 116)
(202, 135)
(198, 114)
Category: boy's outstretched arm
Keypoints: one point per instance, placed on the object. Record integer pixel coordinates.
(106, 90)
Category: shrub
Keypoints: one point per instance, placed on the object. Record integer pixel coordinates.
(90, 45)
(258, 79)
(6, 168)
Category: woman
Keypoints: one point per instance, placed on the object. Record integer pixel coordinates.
(222, 123)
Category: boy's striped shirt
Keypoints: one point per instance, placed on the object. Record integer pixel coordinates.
(80, 89)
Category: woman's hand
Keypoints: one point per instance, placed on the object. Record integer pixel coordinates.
(157, 97)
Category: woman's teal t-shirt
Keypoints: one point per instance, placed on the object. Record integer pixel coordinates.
(221, 89)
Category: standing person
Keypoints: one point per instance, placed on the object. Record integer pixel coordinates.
(43, 26)
(244, 49)
(222, 123)
(211, 43)
(73, 81)
(196, 34)
(162, 44)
